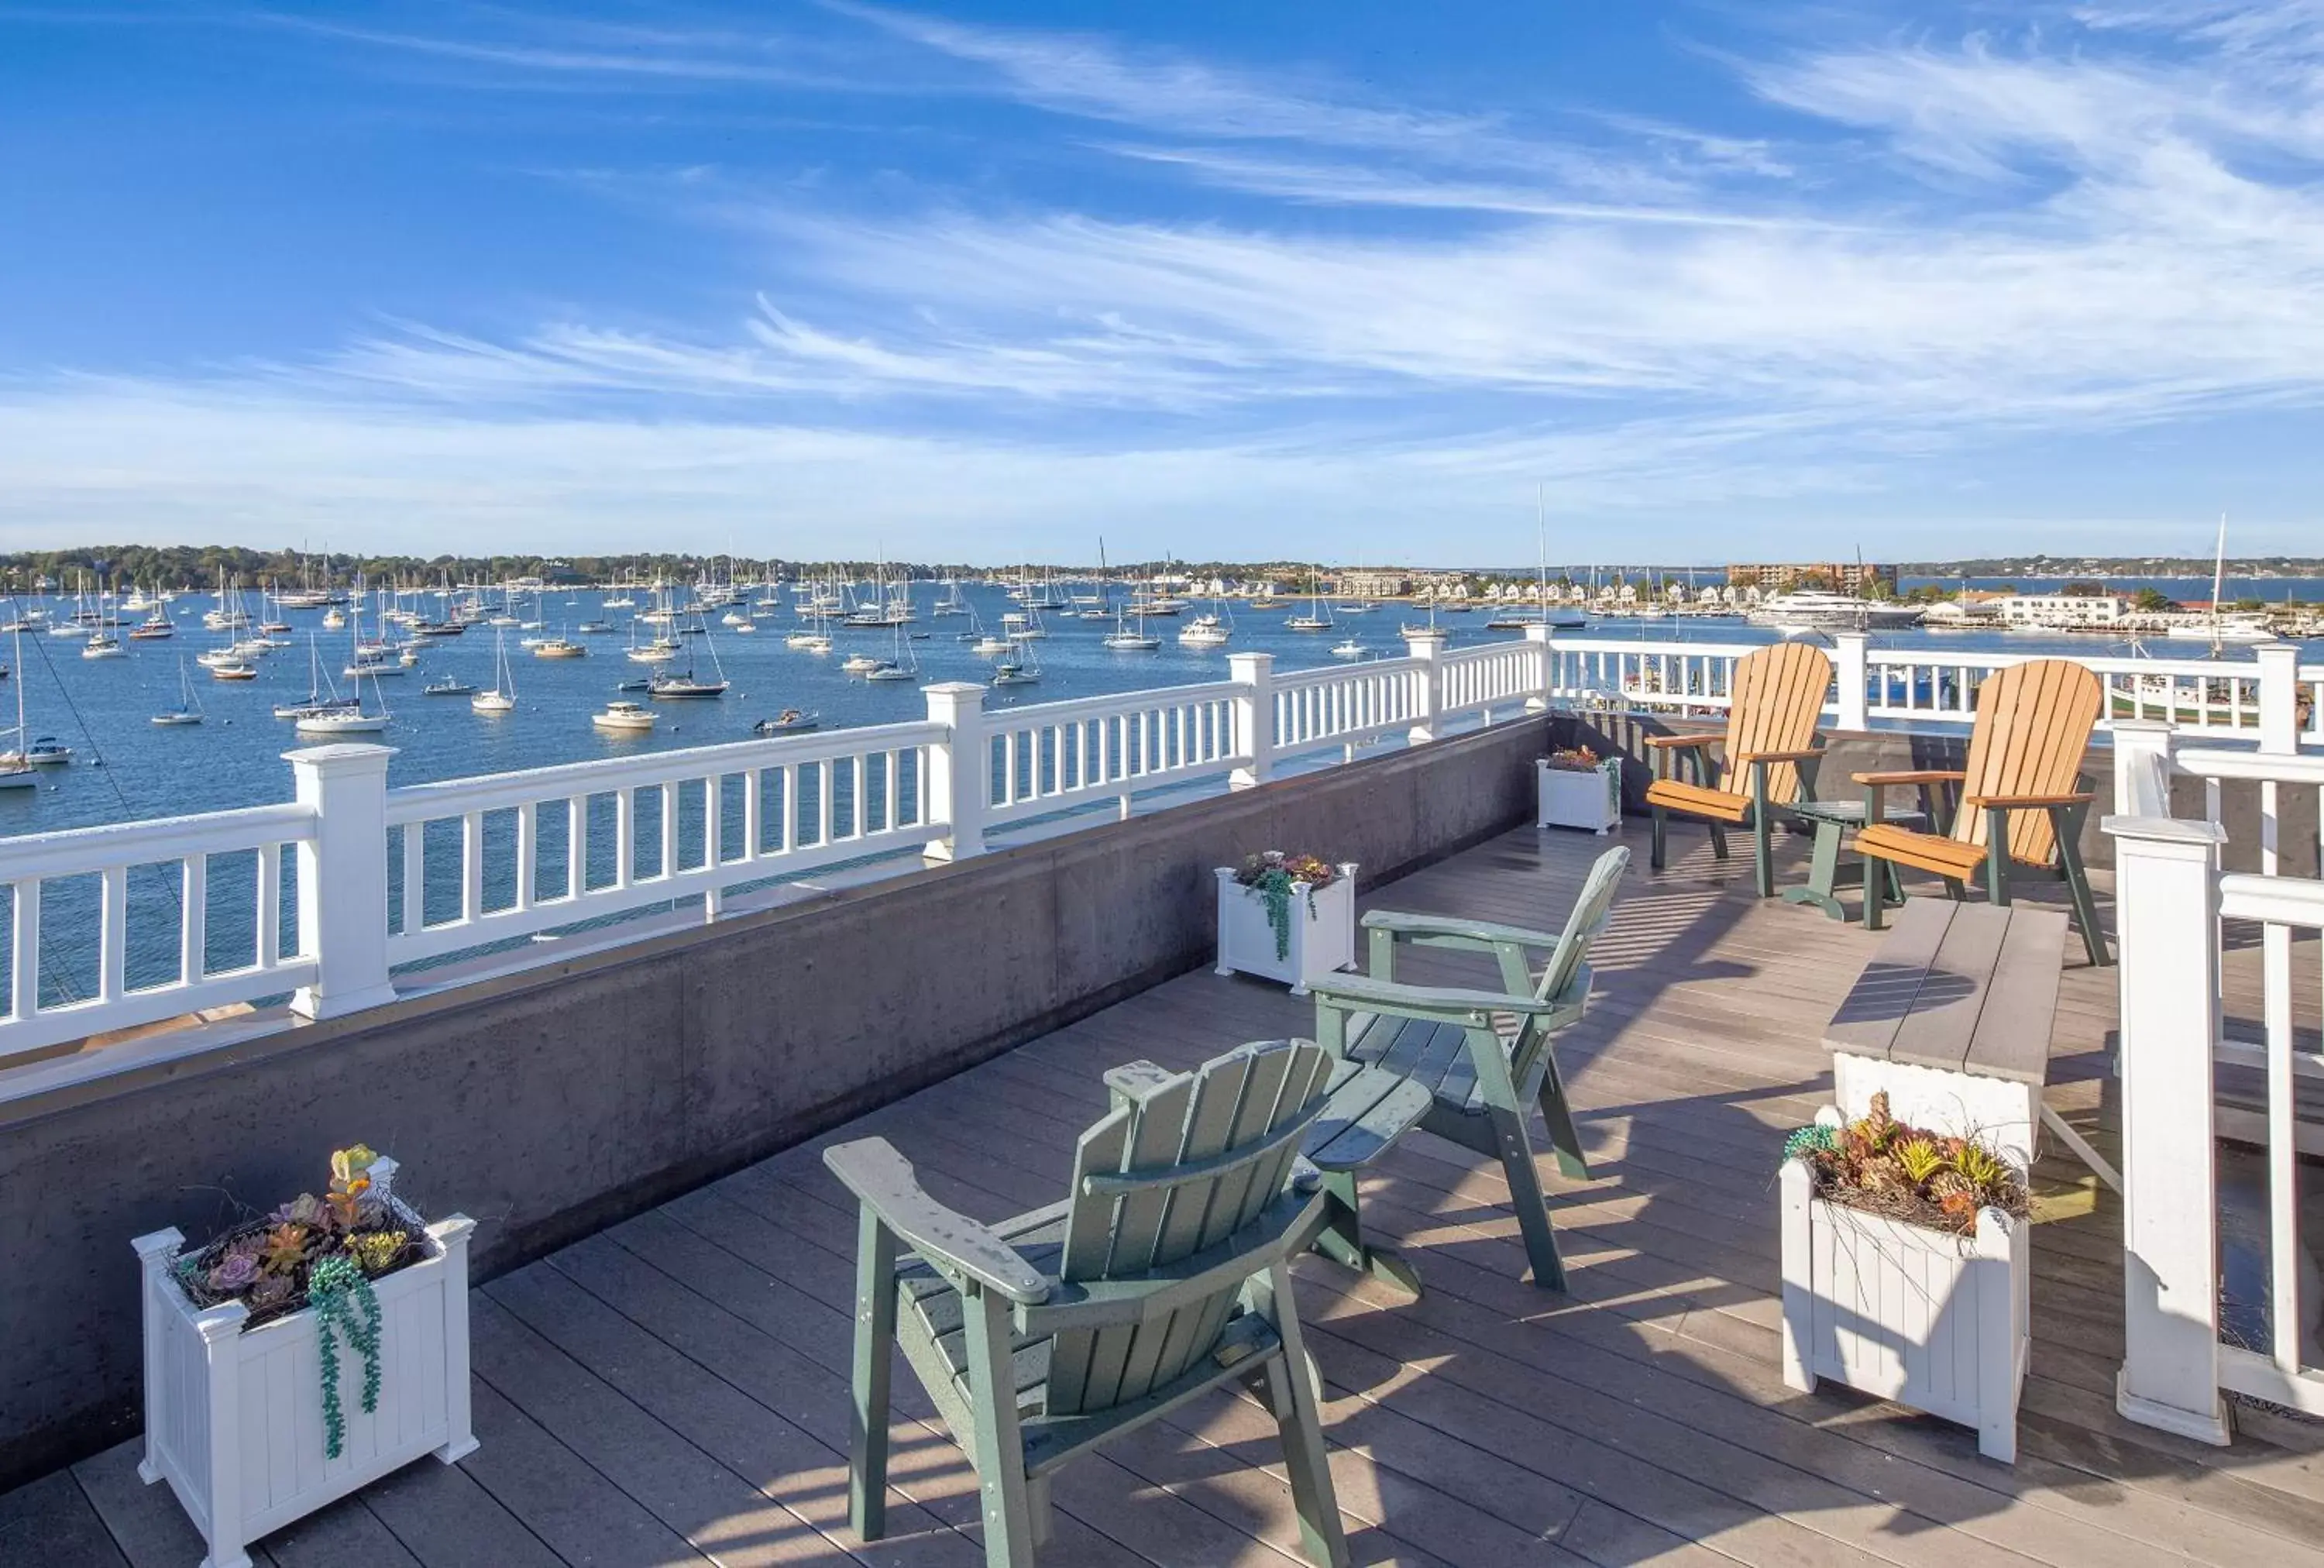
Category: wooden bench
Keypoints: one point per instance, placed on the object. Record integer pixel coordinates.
(1951, 1018)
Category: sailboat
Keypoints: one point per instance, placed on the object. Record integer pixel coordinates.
(322, 697)
(188, 710)
(1124, 639)
(2216, 630)
(903, 666)
(17, 771)
(684, 684)
(344, 721)
(1018, 669)
(1315, 620)
(950, 602)
(502, 698)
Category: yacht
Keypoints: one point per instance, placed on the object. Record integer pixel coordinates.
(624, 718)
(1203, 632)
(104, 645)
(450, 686)
(559, 648)
(1352, 648)
(1815, 610)
(155, 625)
(1316, 619)
(342, 722)
(231, 669)
(1122, 640)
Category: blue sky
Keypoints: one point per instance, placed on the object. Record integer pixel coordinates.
(988, 282)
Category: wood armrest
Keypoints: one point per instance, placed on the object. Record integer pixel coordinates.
(1665, 743)
(882, 1180)
(2016, 802)
(1362, 993)
(1915, 776)
(1483, 932)
(1745, 758)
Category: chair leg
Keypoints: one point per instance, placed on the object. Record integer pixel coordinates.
(1874, 869)
(1656, 856)
(1558, 1117)
(1956, 889)
(1718, 841)
(1295, 1398)
(875, 1344)
(1526, 1197)
(1762, 854)
(1002, 1486)
(1341, 1238)
(2078, 888)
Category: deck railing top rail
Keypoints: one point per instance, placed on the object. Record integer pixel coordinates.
(141, 929)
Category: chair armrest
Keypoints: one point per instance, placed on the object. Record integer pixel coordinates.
(881, 1179)
(1362, 993)
(1745, 758)
(2018, 802)
(1668, 742)
(1483, 932)
(1914, 776)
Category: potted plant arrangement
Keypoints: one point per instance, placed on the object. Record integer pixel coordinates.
(1579, 789)
(1907, 1268)
(1286, 917)
(303, 1354)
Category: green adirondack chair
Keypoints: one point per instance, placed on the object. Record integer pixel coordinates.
(1163, 1275)
(1447, 1038)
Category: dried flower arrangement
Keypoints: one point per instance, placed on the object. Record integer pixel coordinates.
(1274, 874)
(1574, 760)
(322, 1252)
(1884, 1167)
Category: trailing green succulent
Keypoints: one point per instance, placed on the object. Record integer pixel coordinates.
(344, 1304)
(1276, 878)
(1930, 1178)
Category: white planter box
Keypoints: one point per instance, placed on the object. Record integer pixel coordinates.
(234, 1421)
(1591, 801)
(1322, 931)
(1928, 1318)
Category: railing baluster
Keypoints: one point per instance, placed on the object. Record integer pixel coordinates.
(24, 950)
(113, 935)
(626, 836)
(472, 867)
(193, 918)
(528, 835)
(576, 845)
(270, 906)
(415, 881)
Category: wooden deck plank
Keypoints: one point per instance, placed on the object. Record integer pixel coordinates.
(675, 1387)
(50, 1521)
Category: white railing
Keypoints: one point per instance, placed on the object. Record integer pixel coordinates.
(2238, 698)
(549, 847)
(52, 999)
(2173, 902)
(394, 878)
(387, 879)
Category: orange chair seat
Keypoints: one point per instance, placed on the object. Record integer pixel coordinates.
(1697, 801)
(1948, 857)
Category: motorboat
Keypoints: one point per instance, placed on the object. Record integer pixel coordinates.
(627, 718)
(1815, 610)
(1350, 648)
(234, 670)
(559, 648)
(1203, 632)
(790, 721)
(450, 686)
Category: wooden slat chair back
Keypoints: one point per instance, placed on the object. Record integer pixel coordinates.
(2020, 796)
(1163, 1274)
(2034, 724)
(1486, 1056)
(1775, 699)
(1181, 1163)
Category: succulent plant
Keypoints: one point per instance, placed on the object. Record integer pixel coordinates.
(1920, 1159)
(375, 1249)
(236, 1271)
(286, 1247)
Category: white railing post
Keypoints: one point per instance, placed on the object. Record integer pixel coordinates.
(1537, 638)
(2279, 698)
(343, 878)
(1427, 646)
(960, 769)
(1849, 671)
(2142, 767)
(1254, 716)
(2167, 907)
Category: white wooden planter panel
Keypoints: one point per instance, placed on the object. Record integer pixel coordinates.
(1591, 801)
(234, 1421)
(2000, 1112)
(1322, 931)
(1928, 1318)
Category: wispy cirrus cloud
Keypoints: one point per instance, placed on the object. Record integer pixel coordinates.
(1920, 247)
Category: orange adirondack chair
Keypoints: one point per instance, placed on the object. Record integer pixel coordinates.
(1775, 698)
(2020, 800)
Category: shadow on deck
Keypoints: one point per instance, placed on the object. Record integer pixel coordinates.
(673, 1390)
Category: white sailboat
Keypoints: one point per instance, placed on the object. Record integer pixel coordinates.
(1316, 619)
(902, 666)
(2218, 630)
(17, 771)
(502, 698)
(188, 710)
(1122, 640)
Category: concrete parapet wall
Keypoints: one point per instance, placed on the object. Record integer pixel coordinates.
(550, 1103)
